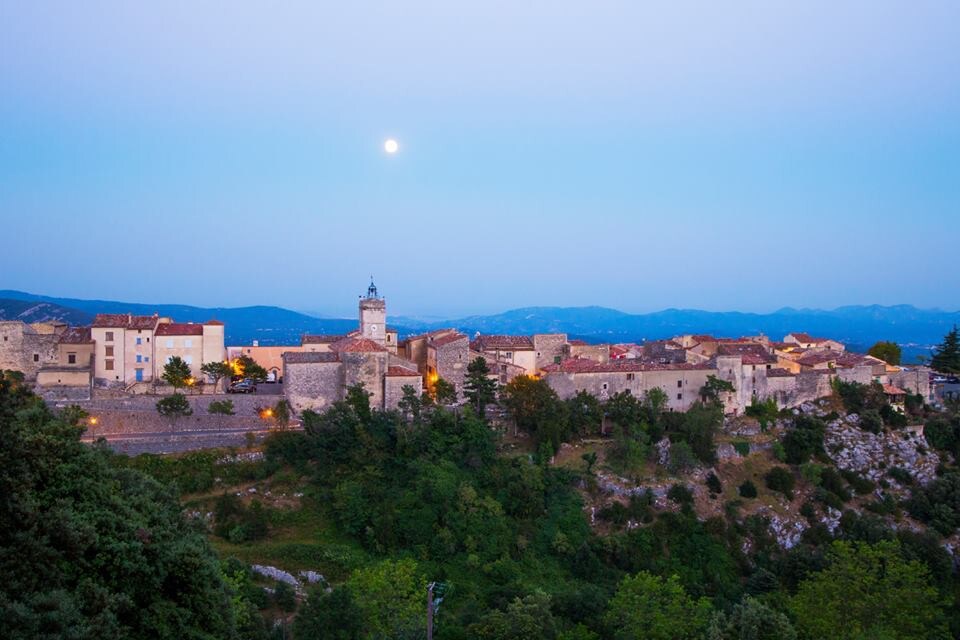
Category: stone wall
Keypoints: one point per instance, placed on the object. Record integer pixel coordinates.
(548, 347)
(450, 361)
(393, 389)
(682, 386)
(367, 368)
(595, 352)
(313, 385)
(24, 349)
(916, 381)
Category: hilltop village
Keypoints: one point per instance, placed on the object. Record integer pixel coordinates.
(126, 354)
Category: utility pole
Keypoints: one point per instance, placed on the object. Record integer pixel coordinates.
(430, 610)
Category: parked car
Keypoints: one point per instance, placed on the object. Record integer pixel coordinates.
(242, 386)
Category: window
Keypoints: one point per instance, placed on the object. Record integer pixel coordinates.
(108, 365)
(169, 343)
(71, 358)
(36, 357)
(508, 354)
(148, 340)
(139, 358)
(146, 359)
(188, 343)
(629, 376)
(604, 386)
(679, 396)
(139, 340)
(108, 351)
(768, 367)
(108, 336)
(679, 384)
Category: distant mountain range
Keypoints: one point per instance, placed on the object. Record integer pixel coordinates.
(857, 326)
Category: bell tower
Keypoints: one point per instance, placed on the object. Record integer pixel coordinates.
(373, 315)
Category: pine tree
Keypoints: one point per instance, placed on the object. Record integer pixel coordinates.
(478, 387)
(946, 355)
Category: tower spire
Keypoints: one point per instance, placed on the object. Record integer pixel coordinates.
(372, 290)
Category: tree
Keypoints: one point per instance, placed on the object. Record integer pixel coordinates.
(174, 407)
(220, 408)
(282, 413)
(804, 440)
(646, 606)
(751, 620)
(710, 392)
(411, 404)
(358, 399)
(887, 351)
(527, 618)
(444, 392)
(624, 409)
(478, 387)
(946, 355)
(331, 616)
(216, 371)
(780, 479)
(91, 549)
(247, 367)
(585, 414)
(390, 596)
(176, 373)
(869, 591)
(536, 409)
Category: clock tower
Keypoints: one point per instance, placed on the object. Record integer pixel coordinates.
(373, 316)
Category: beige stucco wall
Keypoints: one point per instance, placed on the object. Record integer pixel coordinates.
(116, 376)
(64, 378)
(213, 347)
(189, 348)
(270, 358)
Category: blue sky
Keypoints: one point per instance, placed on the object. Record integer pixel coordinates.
(634, 155)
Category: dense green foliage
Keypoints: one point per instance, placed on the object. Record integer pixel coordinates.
(887, 351)
(90, 550)
(176, 372)
(946, 356)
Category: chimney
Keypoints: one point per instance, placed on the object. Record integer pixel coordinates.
(256, 343)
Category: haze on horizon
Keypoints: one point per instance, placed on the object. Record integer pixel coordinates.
(549, 154)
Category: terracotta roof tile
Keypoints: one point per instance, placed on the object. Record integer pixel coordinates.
(356, 345)
(123, 321)
(583, 365)
(778, 372)
(179, 329)
(401, 372)
(215, 323)
(891, 390)
(76, 335)
(447, 339)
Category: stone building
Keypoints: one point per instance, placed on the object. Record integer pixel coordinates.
(318, 373)
(29, 347)
(196, 344)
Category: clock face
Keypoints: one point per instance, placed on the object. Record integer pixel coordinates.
(373, 328)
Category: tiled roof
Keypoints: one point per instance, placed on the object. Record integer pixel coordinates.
(123, 321)
(355, 345)
(577, 343)
(76, 335)
(815, 358)
(515, 343)
(855, 360)
(755, 359)
(447, 339)
(806, 337)
(179, 329)
(401, 372)
(741, 348)
(304, 357)
(583, 365)
(432, 334)
(891, 390)
(215, 323)
(319, 339)
(703, 338)
(777, 372)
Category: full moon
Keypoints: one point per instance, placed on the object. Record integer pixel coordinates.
(391, 145)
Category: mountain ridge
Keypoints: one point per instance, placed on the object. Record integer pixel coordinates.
(856, 325)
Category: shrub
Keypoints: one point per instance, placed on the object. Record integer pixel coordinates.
(680, 494)
(779, 452)
(871, 420)
(861, 485)
(713, 483)
(284, 597)
(832, 481)
(812, 473)
(804, 440)
(681, 457)
(808, 509)
(901, 475)
(742, 447)
(748, 490)
(780, 479)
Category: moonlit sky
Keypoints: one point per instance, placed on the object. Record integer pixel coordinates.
(723, 156)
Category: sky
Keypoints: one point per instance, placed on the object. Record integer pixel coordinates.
(720, 156)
